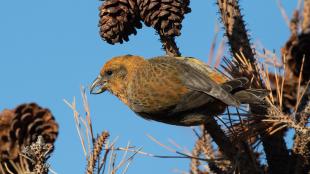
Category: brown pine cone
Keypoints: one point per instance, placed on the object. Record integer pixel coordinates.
(22, 126)
(164, 15)
(294, 51)
(118, 20)
(6, 117)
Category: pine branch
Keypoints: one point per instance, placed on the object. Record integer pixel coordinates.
(169, 45)
(240, 157)
(239, 43)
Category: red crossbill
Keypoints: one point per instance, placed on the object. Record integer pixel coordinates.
(175, 90)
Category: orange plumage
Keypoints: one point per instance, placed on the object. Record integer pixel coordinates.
(174, 90)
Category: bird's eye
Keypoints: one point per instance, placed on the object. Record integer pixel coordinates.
(109, 72)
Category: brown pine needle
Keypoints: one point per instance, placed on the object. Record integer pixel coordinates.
(299, 84)
(160, 144)
(77, 123)
(283, 13)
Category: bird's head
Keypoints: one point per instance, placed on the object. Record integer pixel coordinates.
(115, 74)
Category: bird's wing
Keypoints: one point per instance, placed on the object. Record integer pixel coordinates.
(193, 99)
(234, 84)
(196, 99)
(197, 76)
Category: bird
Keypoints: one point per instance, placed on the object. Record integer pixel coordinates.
(182, 91)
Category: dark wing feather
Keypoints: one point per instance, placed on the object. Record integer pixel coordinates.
(195, 78)
(193, 99)
(237, 83)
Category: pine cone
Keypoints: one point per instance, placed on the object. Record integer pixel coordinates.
(164, 15)
(118, 20)
(22, 126)
(294, 51)
(6, 117)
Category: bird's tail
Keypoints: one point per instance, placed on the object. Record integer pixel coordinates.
(238, 88)
(251, 96)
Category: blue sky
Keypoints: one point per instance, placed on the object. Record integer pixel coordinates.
(49, 48)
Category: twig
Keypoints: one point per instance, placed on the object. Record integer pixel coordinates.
(77, 123)
(7, 169)
(213, 44)
(283, 13)
(170, 46)
(128, 159)
(160, 144)
(86, 108)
